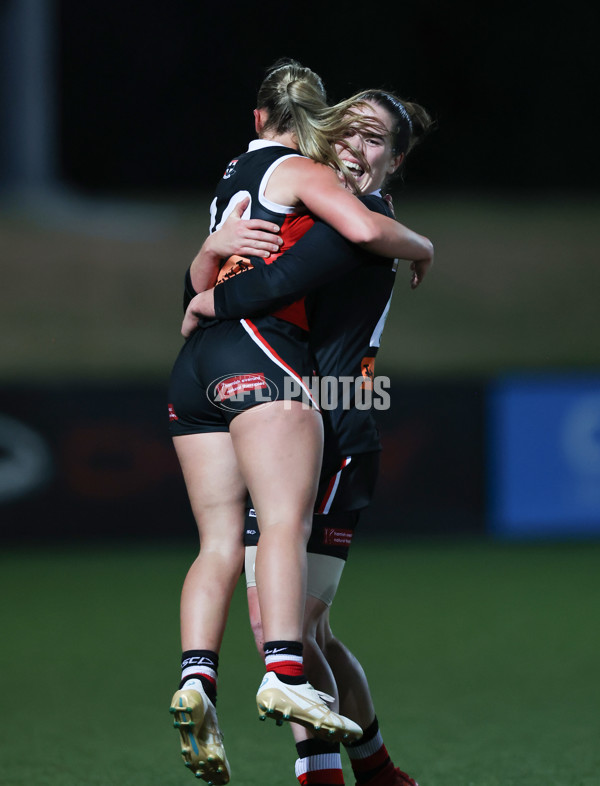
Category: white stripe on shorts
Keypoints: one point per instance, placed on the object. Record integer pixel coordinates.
(270, 353)
(336, 483)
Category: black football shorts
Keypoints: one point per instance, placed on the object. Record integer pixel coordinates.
(228, 367)
(346, 487)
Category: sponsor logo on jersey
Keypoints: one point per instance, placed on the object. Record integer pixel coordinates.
(337, 537)
(230, 169)
(172, 413)
(367, 368)
(232, 267)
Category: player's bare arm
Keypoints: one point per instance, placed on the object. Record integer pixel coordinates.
(323, 194)
(251, 237)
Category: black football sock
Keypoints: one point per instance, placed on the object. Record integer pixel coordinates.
(201, 665)
(285, 659)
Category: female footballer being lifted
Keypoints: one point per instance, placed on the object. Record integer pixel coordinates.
(235, 443)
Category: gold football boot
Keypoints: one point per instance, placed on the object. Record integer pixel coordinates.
(201, 738)
(304, 705)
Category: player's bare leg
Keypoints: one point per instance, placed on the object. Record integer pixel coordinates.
(351, 680)
(316, 757)
(369, 757)
(279, 448)
(282, 477)
(217, 495)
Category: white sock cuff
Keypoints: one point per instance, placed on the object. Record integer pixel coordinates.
(195, 670)
(366, 749)
(322, 761)
(277, 658)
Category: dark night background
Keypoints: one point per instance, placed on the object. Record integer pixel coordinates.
(120, 119)
(473, 581)
(159, 96)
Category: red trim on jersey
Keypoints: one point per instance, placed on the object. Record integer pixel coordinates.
(294, 313)
(292, 229)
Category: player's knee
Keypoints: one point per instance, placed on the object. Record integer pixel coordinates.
(225, 552)
(291, 528)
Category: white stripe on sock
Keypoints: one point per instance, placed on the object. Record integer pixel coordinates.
(204, 670)
(322, 761)
(270, 659)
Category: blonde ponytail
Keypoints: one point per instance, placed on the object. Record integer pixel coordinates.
(295, 100)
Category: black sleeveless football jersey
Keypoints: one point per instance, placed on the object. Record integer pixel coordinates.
(347, 305)
(247, 176)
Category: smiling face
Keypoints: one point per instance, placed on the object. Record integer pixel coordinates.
(376, 147)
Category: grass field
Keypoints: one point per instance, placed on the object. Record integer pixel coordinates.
(483, 657)
(483, 660)
(92, 288)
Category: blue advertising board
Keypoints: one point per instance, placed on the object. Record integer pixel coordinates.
(544, 456)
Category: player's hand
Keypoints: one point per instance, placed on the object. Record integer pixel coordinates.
(419, 270)
(419, 267)
(246, 237)
(202, 305)
(189, 324)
